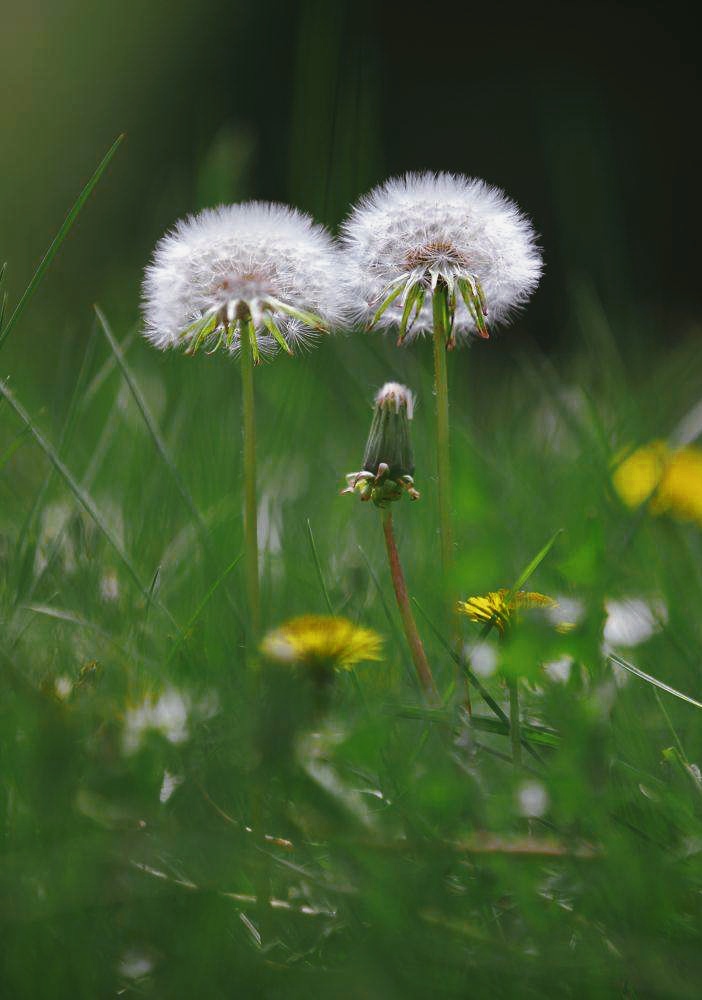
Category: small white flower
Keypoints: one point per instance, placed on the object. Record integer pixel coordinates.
(109, 586)
(256, 263)
(532, 799)
(63, 686)
(632, 621)
(483, 658)
(566, 613)
(135, 964)
(559, 670)
(168, 786)
(415, 231)
(167, 714)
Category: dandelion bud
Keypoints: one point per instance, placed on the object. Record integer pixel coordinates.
(388, 462)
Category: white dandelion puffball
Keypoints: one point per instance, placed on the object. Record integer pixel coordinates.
(421, 229)
(261, 264)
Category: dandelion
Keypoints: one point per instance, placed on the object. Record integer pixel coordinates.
(249, 279)
(668, 479)
(498, 608)
(322, 643)
(439, 254)
(388, 468)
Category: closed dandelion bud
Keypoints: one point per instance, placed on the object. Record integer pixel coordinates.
(388, 462)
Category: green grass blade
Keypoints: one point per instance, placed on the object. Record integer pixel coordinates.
(201, 606)
(81, 495)
(318, 567)
(58, 239)
(535, 562)
(472, 677)
(149, 420)
(637, 672)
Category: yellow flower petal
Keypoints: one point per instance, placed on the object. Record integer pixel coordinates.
(315, 640)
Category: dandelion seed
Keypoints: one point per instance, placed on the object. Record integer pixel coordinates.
(322, 641)
(258, 265)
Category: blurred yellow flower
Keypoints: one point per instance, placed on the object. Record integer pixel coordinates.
(498, 606)
(671, 478)
(321, 640)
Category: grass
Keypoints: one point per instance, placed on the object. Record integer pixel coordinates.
(395, 840)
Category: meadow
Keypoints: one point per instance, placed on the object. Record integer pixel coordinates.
(181, 815)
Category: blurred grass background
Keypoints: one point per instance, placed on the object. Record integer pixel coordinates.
(582, 112)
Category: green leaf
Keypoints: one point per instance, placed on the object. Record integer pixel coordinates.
(535, 563)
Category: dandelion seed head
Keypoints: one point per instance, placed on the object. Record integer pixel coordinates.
(421, 227)
(254, 260)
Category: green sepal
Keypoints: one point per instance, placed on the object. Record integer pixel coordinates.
(272, 327)
(386, 302)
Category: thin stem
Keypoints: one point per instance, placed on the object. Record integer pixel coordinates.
(514, 729)
(443, 464)
(414, 642)
(250, 522)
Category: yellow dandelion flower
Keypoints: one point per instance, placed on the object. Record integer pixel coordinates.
(498, 606)
(640, 474)
(672, 479)
(681, 489)
(322, 640)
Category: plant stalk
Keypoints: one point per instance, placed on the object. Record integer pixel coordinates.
(250, 509)
(443, 462)
(414, 641)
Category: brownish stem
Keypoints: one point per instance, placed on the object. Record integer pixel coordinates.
(414, 642)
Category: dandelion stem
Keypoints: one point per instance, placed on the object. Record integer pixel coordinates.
(250, 523)
(414, 641)
(514, 729)
(443, 464)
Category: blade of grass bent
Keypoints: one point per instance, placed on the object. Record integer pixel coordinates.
(149, 420)
(318, 567)
(58, 239)
(82, 496)
(637, 672)
(201, 607)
